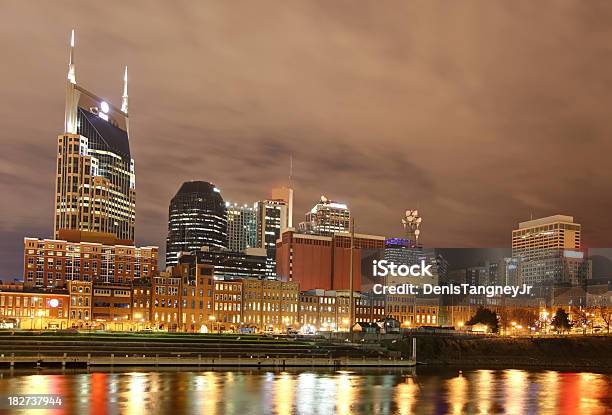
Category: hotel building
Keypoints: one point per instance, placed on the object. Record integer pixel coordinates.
(51, 263)
(548, 250)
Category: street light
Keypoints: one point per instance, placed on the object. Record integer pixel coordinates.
(212, 319)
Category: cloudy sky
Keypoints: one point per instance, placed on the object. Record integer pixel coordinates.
(479, 113)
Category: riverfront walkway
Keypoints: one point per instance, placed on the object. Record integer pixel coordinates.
(162, 349)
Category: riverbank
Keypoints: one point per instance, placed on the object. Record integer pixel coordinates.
(568, 352)
(197, 350)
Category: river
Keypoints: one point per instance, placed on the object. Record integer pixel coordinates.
(424, 391)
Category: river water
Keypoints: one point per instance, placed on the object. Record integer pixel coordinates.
(422, 391)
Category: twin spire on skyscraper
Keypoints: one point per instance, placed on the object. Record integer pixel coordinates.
(72, 75)
(71, 68)
(124, 98)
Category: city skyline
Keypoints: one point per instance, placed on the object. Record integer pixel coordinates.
(247, 146)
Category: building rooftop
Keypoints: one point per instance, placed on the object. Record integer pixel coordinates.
(546, 221)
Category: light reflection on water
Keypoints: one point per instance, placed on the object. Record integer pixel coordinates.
(344, 392)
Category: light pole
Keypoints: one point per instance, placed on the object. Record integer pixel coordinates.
(351, 276)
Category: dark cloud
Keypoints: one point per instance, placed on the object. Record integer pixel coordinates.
(480, 113)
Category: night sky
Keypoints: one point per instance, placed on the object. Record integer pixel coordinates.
(479, 113)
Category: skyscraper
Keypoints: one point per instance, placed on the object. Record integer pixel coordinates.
(286, 195)
(95, 183)
(196, 217)
(548, 250)
(241, 227)
(326, 218)
(271, 218)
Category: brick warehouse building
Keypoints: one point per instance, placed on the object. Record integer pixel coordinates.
(323, 262)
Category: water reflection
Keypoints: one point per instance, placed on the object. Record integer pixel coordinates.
(342, 392)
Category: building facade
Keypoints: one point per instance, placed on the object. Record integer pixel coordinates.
(549, 251)
(229, 265)
(241, 227)
(324, 310)
(80, 303)
(197, 218)
(285, 194)
(52, 263)
(228, 305)
(141, 302)
(165, 291)
(270, 305)
(271, 220)
(326, 218)
(111, 306)
(37, 310)
(323, 262)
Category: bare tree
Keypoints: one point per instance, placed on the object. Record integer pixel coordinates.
(581, 318)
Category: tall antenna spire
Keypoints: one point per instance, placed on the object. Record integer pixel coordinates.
(290, 194)
(71, 67)
(124, 98)
(291, 171)
(72, 94)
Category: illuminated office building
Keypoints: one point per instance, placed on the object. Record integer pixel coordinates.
(271, 220)
(286, 195)
(326, 218)
(95, 182)
(197, 218)
(241, 226)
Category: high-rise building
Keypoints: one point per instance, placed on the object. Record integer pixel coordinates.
(285, 194)
(196, 218)
(271, 220)
(326, 218)
(509, 271)
(549, 251)
(405, 252)
(241, 226)
(95, 182)
(401, 251)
